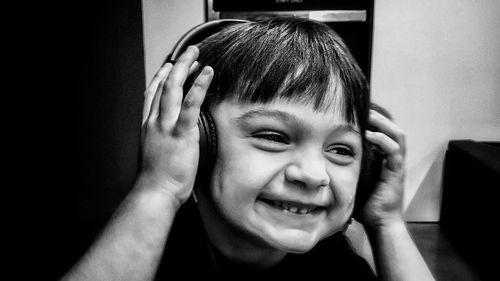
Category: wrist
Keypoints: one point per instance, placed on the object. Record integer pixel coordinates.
(387, 226)
(150, 187)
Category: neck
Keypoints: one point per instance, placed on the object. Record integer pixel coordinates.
(232, 242)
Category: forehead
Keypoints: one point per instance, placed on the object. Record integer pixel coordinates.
(333, 104)
(285, 111)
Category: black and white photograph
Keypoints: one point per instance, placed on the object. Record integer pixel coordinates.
(272, 140)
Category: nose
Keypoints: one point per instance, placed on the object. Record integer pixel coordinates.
(308, 170)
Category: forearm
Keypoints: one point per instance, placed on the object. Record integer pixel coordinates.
(131, 245)
(396, 255)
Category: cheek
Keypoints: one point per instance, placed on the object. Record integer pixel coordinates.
(240, 173)
(343, 189)
(344, 183)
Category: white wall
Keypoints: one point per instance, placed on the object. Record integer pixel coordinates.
(436, 67)
(165, 21)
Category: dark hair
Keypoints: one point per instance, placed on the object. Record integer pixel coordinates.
(291, 58)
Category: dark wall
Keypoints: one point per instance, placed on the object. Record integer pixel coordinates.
(101, 61)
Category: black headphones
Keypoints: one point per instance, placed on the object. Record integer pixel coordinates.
(371, 168)
(206, 125)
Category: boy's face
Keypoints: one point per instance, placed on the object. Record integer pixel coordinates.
(284, 174)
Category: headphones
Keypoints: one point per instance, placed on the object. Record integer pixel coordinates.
(206, 125)
(371, 167)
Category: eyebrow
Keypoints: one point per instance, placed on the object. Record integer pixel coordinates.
(275, 114)
(286, 118)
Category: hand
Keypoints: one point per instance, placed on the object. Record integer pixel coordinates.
(170, 135)
(385, 205)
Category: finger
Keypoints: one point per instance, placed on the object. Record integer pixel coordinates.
(153, 90)
(155, 104)
(190, 111)
(159, 75)
(392, 149)
(171, 98)
(194, 67)
(388, 127)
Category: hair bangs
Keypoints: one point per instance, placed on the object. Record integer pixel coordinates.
(293, 60)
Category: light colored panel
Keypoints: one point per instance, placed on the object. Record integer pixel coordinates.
(164, 22)
(436, 67)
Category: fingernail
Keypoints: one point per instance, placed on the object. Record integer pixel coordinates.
(206, 70)
(193, 48)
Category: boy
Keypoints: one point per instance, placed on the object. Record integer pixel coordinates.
(291, 111)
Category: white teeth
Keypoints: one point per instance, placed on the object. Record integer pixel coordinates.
(293, 209)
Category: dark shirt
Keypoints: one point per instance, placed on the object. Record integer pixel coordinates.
(189, 255)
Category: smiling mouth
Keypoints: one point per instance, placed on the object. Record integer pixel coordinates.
(292, 207)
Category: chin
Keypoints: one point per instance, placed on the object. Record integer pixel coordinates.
(295, 241)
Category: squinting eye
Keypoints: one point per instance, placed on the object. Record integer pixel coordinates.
(341, 150)
(272, 137)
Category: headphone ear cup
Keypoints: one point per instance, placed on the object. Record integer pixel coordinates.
(369, 178)
(371, 168)
(208, 147)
